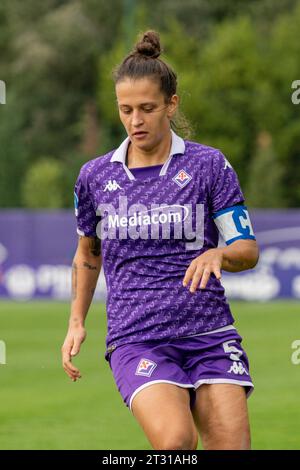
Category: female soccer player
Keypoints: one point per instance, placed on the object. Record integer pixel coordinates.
(152, 211)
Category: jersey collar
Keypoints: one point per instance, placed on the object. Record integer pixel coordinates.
(177, 147)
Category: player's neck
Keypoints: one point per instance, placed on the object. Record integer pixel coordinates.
(156, 156)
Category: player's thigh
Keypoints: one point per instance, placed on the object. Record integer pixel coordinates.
(221, 415)
(163, 411)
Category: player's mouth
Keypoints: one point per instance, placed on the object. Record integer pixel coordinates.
(139, 134)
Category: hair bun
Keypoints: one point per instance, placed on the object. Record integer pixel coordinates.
(149, 46)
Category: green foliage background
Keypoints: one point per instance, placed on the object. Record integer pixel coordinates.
(235, 59)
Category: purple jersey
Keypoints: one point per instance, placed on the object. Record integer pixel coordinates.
(151, 228)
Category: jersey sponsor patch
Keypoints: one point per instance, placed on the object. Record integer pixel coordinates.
(145, 367)
(182, 178)
(234, 223)
(76, 203)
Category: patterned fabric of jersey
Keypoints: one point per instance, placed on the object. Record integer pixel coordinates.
(145, 296)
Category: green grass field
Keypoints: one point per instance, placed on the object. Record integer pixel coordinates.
(41, 408)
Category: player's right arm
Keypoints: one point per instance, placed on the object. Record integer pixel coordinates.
(85, 272)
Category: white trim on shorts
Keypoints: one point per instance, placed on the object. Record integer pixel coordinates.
(225, 381)
(139, 389)
(224, 328)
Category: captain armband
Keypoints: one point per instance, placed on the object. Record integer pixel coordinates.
(234, 224)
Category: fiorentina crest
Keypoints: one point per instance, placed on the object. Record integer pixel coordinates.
(182, 178)
(145, 367)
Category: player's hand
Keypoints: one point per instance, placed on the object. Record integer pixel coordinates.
(202, 267)
(71, 347)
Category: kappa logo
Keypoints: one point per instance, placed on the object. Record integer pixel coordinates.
(112, 186)
(237, 368)
(182, 178)
(145, 367)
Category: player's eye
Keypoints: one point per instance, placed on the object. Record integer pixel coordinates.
(126, 111)
(148, 109)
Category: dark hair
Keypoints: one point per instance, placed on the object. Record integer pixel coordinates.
(144, 61)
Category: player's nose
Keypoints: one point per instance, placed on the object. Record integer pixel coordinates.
(137, 118)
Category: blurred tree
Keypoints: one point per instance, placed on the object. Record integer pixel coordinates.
(4, 36)
(264, 184)
(52, 73)
(14, 155)
(235, 61)
(217, 84)
(285, 57)
(43, 184)
(198, 17)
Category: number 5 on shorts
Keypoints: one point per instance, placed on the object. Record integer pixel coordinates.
(235, 353)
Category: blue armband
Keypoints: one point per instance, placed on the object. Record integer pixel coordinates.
(234, 224)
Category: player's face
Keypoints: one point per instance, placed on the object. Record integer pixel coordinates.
(144, 111)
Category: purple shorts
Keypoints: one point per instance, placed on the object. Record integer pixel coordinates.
(188, 362)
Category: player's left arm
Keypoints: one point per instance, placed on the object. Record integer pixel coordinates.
(241, 252)
(239, 256)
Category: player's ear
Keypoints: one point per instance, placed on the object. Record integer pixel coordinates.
(173, 104)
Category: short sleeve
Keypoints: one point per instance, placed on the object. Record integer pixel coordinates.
(84, 209)
(224, 188)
